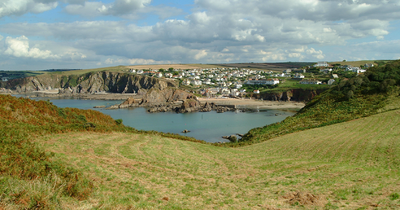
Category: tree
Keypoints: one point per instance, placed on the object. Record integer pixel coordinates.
(171, 69)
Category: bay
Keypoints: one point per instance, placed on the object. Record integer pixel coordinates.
(207, 126)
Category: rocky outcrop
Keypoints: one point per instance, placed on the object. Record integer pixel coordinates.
(94, 82)
(190, 104)
(292, 95)
(169, 99)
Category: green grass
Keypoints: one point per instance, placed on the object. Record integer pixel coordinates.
(347, 166)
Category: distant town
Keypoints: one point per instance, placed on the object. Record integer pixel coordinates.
(238, 82)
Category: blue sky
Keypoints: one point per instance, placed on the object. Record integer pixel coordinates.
(53, 34)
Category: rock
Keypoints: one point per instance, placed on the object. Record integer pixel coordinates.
(206, 108)
(189, 105)
(99, 107)
(185, 131)
(241, 135)
(231, 138)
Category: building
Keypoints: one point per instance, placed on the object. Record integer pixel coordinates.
(331, 81)
(321, 64)
(298, 76)
(256, 91)
(287, 71)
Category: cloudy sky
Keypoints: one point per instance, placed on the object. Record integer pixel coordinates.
(48, 34)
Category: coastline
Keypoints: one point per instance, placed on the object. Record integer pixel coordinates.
(254, 104)
(239, 103)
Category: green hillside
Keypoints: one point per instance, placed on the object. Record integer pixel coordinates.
(374, 92)
(352, 165)
(340, 152)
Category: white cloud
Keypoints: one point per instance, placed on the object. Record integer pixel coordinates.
(216, 31)
(20, 7)
(117, 8)
(19, 47)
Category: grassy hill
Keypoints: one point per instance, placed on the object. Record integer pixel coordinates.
(340, 152)
(376, 91)
(352, 165)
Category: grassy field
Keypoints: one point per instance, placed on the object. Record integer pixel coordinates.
(352, 165)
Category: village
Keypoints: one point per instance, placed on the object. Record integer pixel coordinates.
(240, 82)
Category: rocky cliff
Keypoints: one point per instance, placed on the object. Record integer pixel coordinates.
(91, 83)
(291, 95)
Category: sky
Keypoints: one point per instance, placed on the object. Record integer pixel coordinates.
(81, 34)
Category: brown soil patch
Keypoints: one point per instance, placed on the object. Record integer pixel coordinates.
(302, 198)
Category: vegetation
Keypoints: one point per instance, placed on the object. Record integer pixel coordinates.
(356, 168)
(63, 158)
(30, 177)
(376, 91)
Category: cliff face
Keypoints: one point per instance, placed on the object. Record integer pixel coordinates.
(91, 83)
(292, 95)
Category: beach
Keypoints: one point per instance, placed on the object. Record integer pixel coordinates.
(251, 103)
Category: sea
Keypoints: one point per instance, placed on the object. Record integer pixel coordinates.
(207, 126)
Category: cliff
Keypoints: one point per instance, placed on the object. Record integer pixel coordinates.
(93, 82)
(291, 95)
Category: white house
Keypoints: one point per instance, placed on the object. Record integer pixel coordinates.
(321, 64)
(4, 79)
(287, 71)
(331, 81)
(196, 82)
(185, 82)
(298, 76)
(139, 71)
(256, 91)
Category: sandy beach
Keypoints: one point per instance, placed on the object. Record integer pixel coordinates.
(251, 103)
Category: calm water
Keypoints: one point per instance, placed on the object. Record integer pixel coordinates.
(208, 126)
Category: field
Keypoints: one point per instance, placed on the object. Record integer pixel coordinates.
(269, 66)
(352, 165)
(357, 63)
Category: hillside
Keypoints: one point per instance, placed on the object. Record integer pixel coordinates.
(29, 174)
(376, 91)
(352, 165)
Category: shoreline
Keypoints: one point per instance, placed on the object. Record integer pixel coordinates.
(238, 103)
(254, 104)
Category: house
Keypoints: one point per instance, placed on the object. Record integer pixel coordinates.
(4, 79)
(335, 76)
(321, 64)
(310, 82)
(185, 82)
(287, 71)
(238, 86)
(331, 81)
(368, 65)
(298, 76)
(132, 70)
(159, 74)
(325, 71)
(256, 91)
(139, 72)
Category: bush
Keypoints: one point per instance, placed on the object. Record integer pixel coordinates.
(118, 121)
